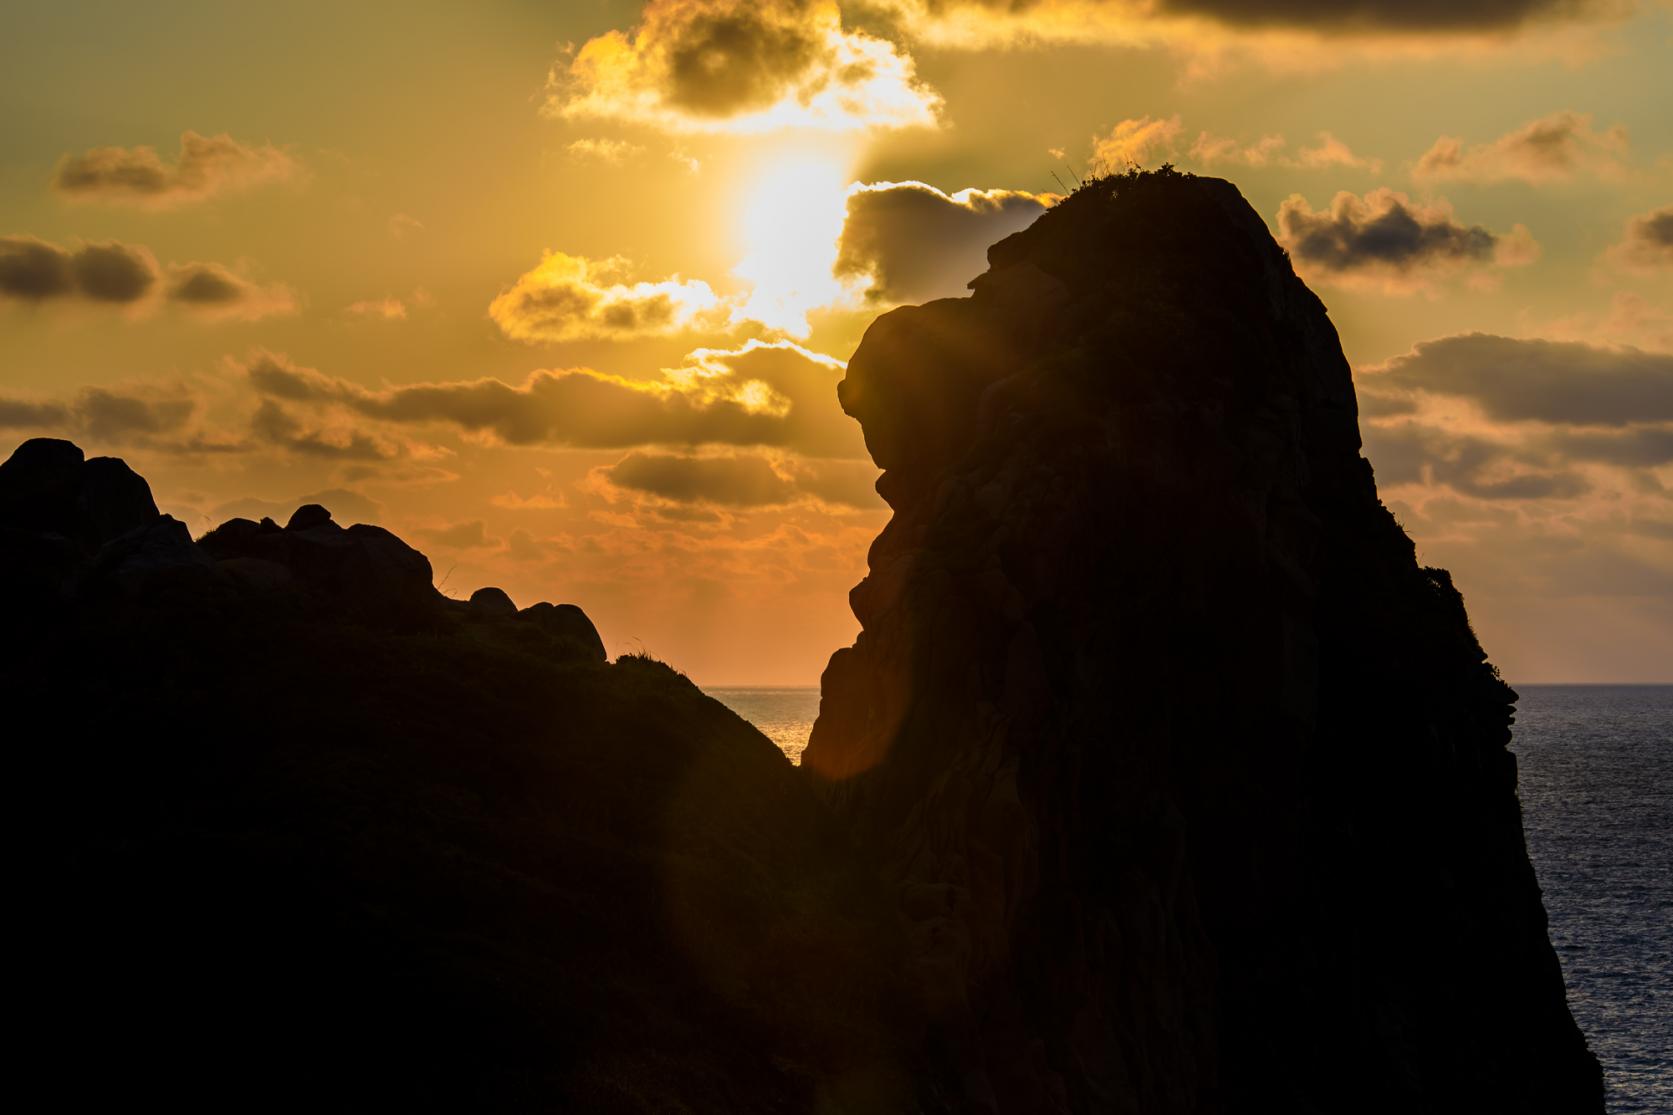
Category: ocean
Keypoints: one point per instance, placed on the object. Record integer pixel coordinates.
(1596, 765)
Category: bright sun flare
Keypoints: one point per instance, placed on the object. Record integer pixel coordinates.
(791, 221)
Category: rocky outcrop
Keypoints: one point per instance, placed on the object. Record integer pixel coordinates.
(1190, 782)
(304, 834)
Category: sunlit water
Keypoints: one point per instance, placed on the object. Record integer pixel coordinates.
(1597, 796)
(784, 716)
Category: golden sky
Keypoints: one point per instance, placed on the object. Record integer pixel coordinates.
(560, 292)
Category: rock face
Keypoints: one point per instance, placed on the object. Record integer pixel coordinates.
(1190, 782)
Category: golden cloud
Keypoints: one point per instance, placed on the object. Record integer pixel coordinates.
(572, 298)
(739, 66)
(776, 395)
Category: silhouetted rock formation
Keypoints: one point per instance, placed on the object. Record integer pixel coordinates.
(304, 834)
(1162, 778)
(1190, 782)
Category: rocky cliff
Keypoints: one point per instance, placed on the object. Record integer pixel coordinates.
(1190, 783)
(298, 832)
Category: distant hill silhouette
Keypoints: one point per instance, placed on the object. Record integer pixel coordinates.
(311, 836)
(1191, 782)
(1162, 778)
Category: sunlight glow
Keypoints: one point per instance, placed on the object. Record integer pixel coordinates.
(790, 223)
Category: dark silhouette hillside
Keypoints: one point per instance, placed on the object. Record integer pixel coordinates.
(1191, 783)
(303, 834)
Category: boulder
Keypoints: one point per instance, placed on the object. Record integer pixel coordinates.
(113, 500)
(571, 634)
(491, 603)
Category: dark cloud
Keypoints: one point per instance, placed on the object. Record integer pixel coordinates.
(461, 536)
(26, 414)
(914, 243)
(1391, 15)
(113, 272)
(273, 424)
(718, 65)
(1648, 242)
(32, 270)
(777, 395)
(747, 480)
(1563, 382)
(114, 416)
(206, 166)
(210, 290)
(106, 415)
(1386, 238)
(729, 59)
(206, 284)
(1414, 453)
(732, 481)
(1547, 410)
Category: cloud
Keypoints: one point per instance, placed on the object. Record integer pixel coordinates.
(1281, 28)
(1503, 419)
(384, 309)
(472, 535)
(572, 298)
(1273, 150)
(761, 394)
(274, 424)
(1552, 148)
(1135, 142)
(1386, 239)
(746, 480)
(909, 242)
(1388, 15)
(206, 167)
(611, 152)
(108, 415)
(1647, 242)
(403, 225)
(213, 291)
(32, 414)
(1534, 380)
(742, 66)
(111, 273)
(33, 270)
(738, 481)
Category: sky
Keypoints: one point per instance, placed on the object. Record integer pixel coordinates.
(561, 292)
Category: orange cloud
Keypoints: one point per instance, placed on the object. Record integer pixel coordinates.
(1646, 244)
(1552, 148)
(206, 167)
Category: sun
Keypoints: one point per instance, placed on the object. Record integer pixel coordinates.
(789, 226)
